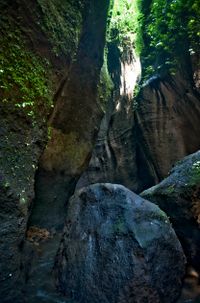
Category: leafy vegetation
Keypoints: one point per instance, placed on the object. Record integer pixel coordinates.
(161, 31)
(171, 30)
(125, 24)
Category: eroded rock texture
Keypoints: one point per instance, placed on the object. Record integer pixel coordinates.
(57, 32)
(114, 157)
(73, 125)
(142, 143)
(168, 120)
(20, 149)
(117, 247)
(76, 116)
(179, 195)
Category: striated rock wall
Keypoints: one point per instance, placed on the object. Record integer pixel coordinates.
(168, 120)
(142, 144)
(114, 156)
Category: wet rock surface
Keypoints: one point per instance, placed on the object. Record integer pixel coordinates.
(117, 247)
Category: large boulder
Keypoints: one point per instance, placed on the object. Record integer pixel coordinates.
(118, 247)
(179, 196)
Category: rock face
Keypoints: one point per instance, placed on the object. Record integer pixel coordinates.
(168, 121)
(114, 157)
(179, 196)
(76, 117)
(44, 42)
(24, 111)
(141, 144)
(117, 247)
(20, 150)
(74, 122)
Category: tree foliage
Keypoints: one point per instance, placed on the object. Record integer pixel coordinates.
(125, 29)
(170, 28)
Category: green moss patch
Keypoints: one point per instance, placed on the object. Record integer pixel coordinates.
(23, 77)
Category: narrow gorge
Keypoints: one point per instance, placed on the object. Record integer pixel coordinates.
(100, 151)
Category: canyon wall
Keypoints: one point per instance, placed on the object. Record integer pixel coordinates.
(51, 59)
(142, 137)
(53, 90)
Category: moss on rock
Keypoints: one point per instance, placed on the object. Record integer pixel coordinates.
(61, 21)
(24, 77)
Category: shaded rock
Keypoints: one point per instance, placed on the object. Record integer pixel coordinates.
(76, 117)
(168, 120)
(73, 125)
(117, 247)
(191, 288)
(19, 153)
(179, 196)
(23, 123)
(60, 34)
(114, 156)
